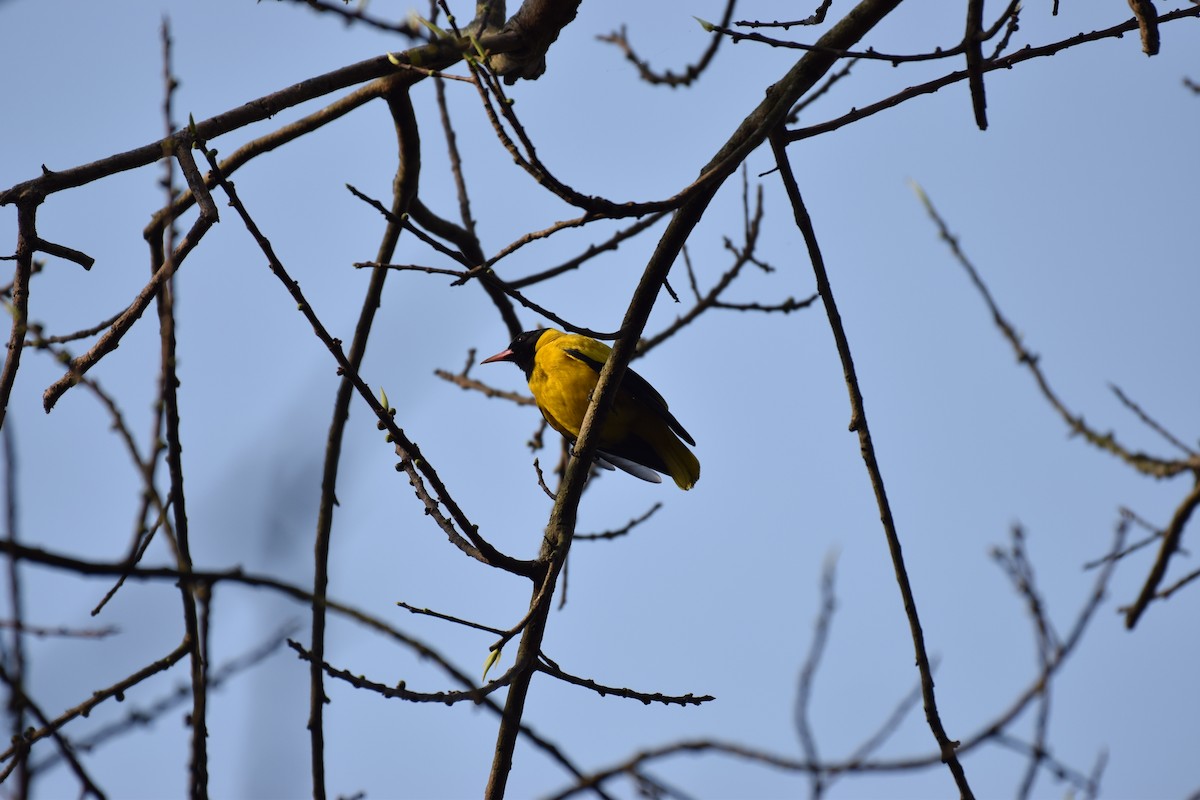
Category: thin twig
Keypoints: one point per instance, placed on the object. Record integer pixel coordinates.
(1142, 462)
(1005, 62)
(471, 384)
(855, 764)
(619, 532)
(124, 321)
(870, 53)
(193, 596)
(405, 186)
(1172, 535)
(87, 785)
(436, 54)
(14, 654)
(146, 715)
(97, 697)
(858, 424)
(808, 671)
(690, 74)
(352, 16)
(815, 18)
(466, 623)
(1150, 422)
(645, 697)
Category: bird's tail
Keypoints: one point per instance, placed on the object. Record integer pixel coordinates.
(682, 464)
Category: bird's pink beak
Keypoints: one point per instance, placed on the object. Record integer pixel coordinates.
(503, 355)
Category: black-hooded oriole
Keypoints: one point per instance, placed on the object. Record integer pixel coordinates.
(640, 435)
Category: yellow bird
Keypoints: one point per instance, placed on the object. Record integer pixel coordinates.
(640, 435)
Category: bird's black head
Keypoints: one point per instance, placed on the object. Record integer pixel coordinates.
(521, 351)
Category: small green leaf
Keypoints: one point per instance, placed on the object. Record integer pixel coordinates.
(708, 26)
(492, 657)
(193, 134)
(438, 32)
(920, 192)
(478, 47)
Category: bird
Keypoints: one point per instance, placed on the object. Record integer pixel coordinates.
(640, 435)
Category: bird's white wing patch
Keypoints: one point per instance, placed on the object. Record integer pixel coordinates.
(611, 463)
(634, 469)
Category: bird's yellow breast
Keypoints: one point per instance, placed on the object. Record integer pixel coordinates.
(562, 384)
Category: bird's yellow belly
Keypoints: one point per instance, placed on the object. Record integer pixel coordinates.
(564, 401)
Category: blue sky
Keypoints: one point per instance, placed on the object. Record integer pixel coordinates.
(1077, 206)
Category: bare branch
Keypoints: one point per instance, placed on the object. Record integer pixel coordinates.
(858, 424)
(124, 321)
(644, 697)
(1142, 462)
(690, 74)
(1005, 62)
(973, 47)
(815, 18)
(1151, 422)
(808, 671)
(619, 532)
(1170, 544)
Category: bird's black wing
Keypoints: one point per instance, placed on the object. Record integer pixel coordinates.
(641, 389)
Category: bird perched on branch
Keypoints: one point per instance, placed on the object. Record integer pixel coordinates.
(640, 435)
